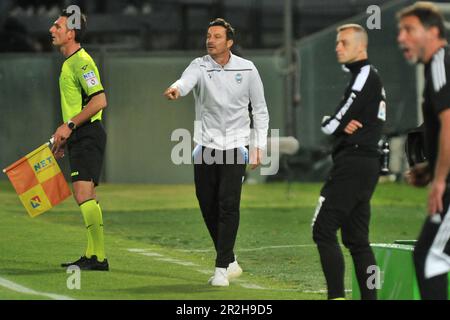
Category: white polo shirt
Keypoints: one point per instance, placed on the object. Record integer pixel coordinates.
(222, 96)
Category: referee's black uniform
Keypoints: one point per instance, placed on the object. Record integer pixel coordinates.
(344, 201)
(432, 251)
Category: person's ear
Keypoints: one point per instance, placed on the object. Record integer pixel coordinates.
(435, 31)
(71, 34)
(229, 43)
(363, 47)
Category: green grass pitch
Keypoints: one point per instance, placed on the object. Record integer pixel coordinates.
(159, 248)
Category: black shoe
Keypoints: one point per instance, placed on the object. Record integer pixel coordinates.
(76, 263)
(85, 263)
(93, 264)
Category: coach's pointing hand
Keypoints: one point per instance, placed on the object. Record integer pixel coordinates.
(172, 93)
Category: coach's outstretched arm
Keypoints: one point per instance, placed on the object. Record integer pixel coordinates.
(186, 83)
(172, 93)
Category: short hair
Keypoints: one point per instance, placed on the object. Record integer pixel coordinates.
(79, 32)
(221, 22)
(428, 14)
(357, 28)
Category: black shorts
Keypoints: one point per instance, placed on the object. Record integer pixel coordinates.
(86, 147)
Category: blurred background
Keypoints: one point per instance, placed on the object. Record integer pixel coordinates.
(143, 46)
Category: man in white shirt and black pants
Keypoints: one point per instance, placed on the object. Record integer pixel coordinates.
(223, 85)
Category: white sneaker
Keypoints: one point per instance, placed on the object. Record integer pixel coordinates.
(234, 270)
(220, 278)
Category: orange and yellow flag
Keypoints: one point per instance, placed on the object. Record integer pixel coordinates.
(38, 181)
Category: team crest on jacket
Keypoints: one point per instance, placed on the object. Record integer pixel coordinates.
(238, 78)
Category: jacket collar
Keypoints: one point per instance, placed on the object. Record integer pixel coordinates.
(354, 67)
(228, 65)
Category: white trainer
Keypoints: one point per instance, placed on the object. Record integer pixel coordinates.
(234, 270)
(220, 278)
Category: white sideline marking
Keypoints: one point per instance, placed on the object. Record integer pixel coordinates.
(176, 261)
(253, 249)
(160, 257)
(138, 250)
(242, 283)
(204, 271)
(151, 254)
(249, 285)
(18, 288)
(322, 291)
(278, 247)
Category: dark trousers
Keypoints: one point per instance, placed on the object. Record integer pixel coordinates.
(345, 204)
(434, 288)
(218, 188)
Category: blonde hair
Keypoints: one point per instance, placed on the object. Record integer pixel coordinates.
(359, 30)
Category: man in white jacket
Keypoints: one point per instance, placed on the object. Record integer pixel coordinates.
(223, 86)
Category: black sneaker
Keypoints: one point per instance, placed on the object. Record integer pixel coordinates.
(94, 264)
(85, 263)
(77, 263)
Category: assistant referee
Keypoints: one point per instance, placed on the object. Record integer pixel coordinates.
(82, 102)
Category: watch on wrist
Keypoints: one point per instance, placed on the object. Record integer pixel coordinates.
(71, 125)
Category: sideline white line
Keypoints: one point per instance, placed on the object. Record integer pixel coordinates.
(21, 289)
(242, 283)
(253, 249)
(176, 261)
(150, 254)
(160, 257)
(278, 247)
(323, 291)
